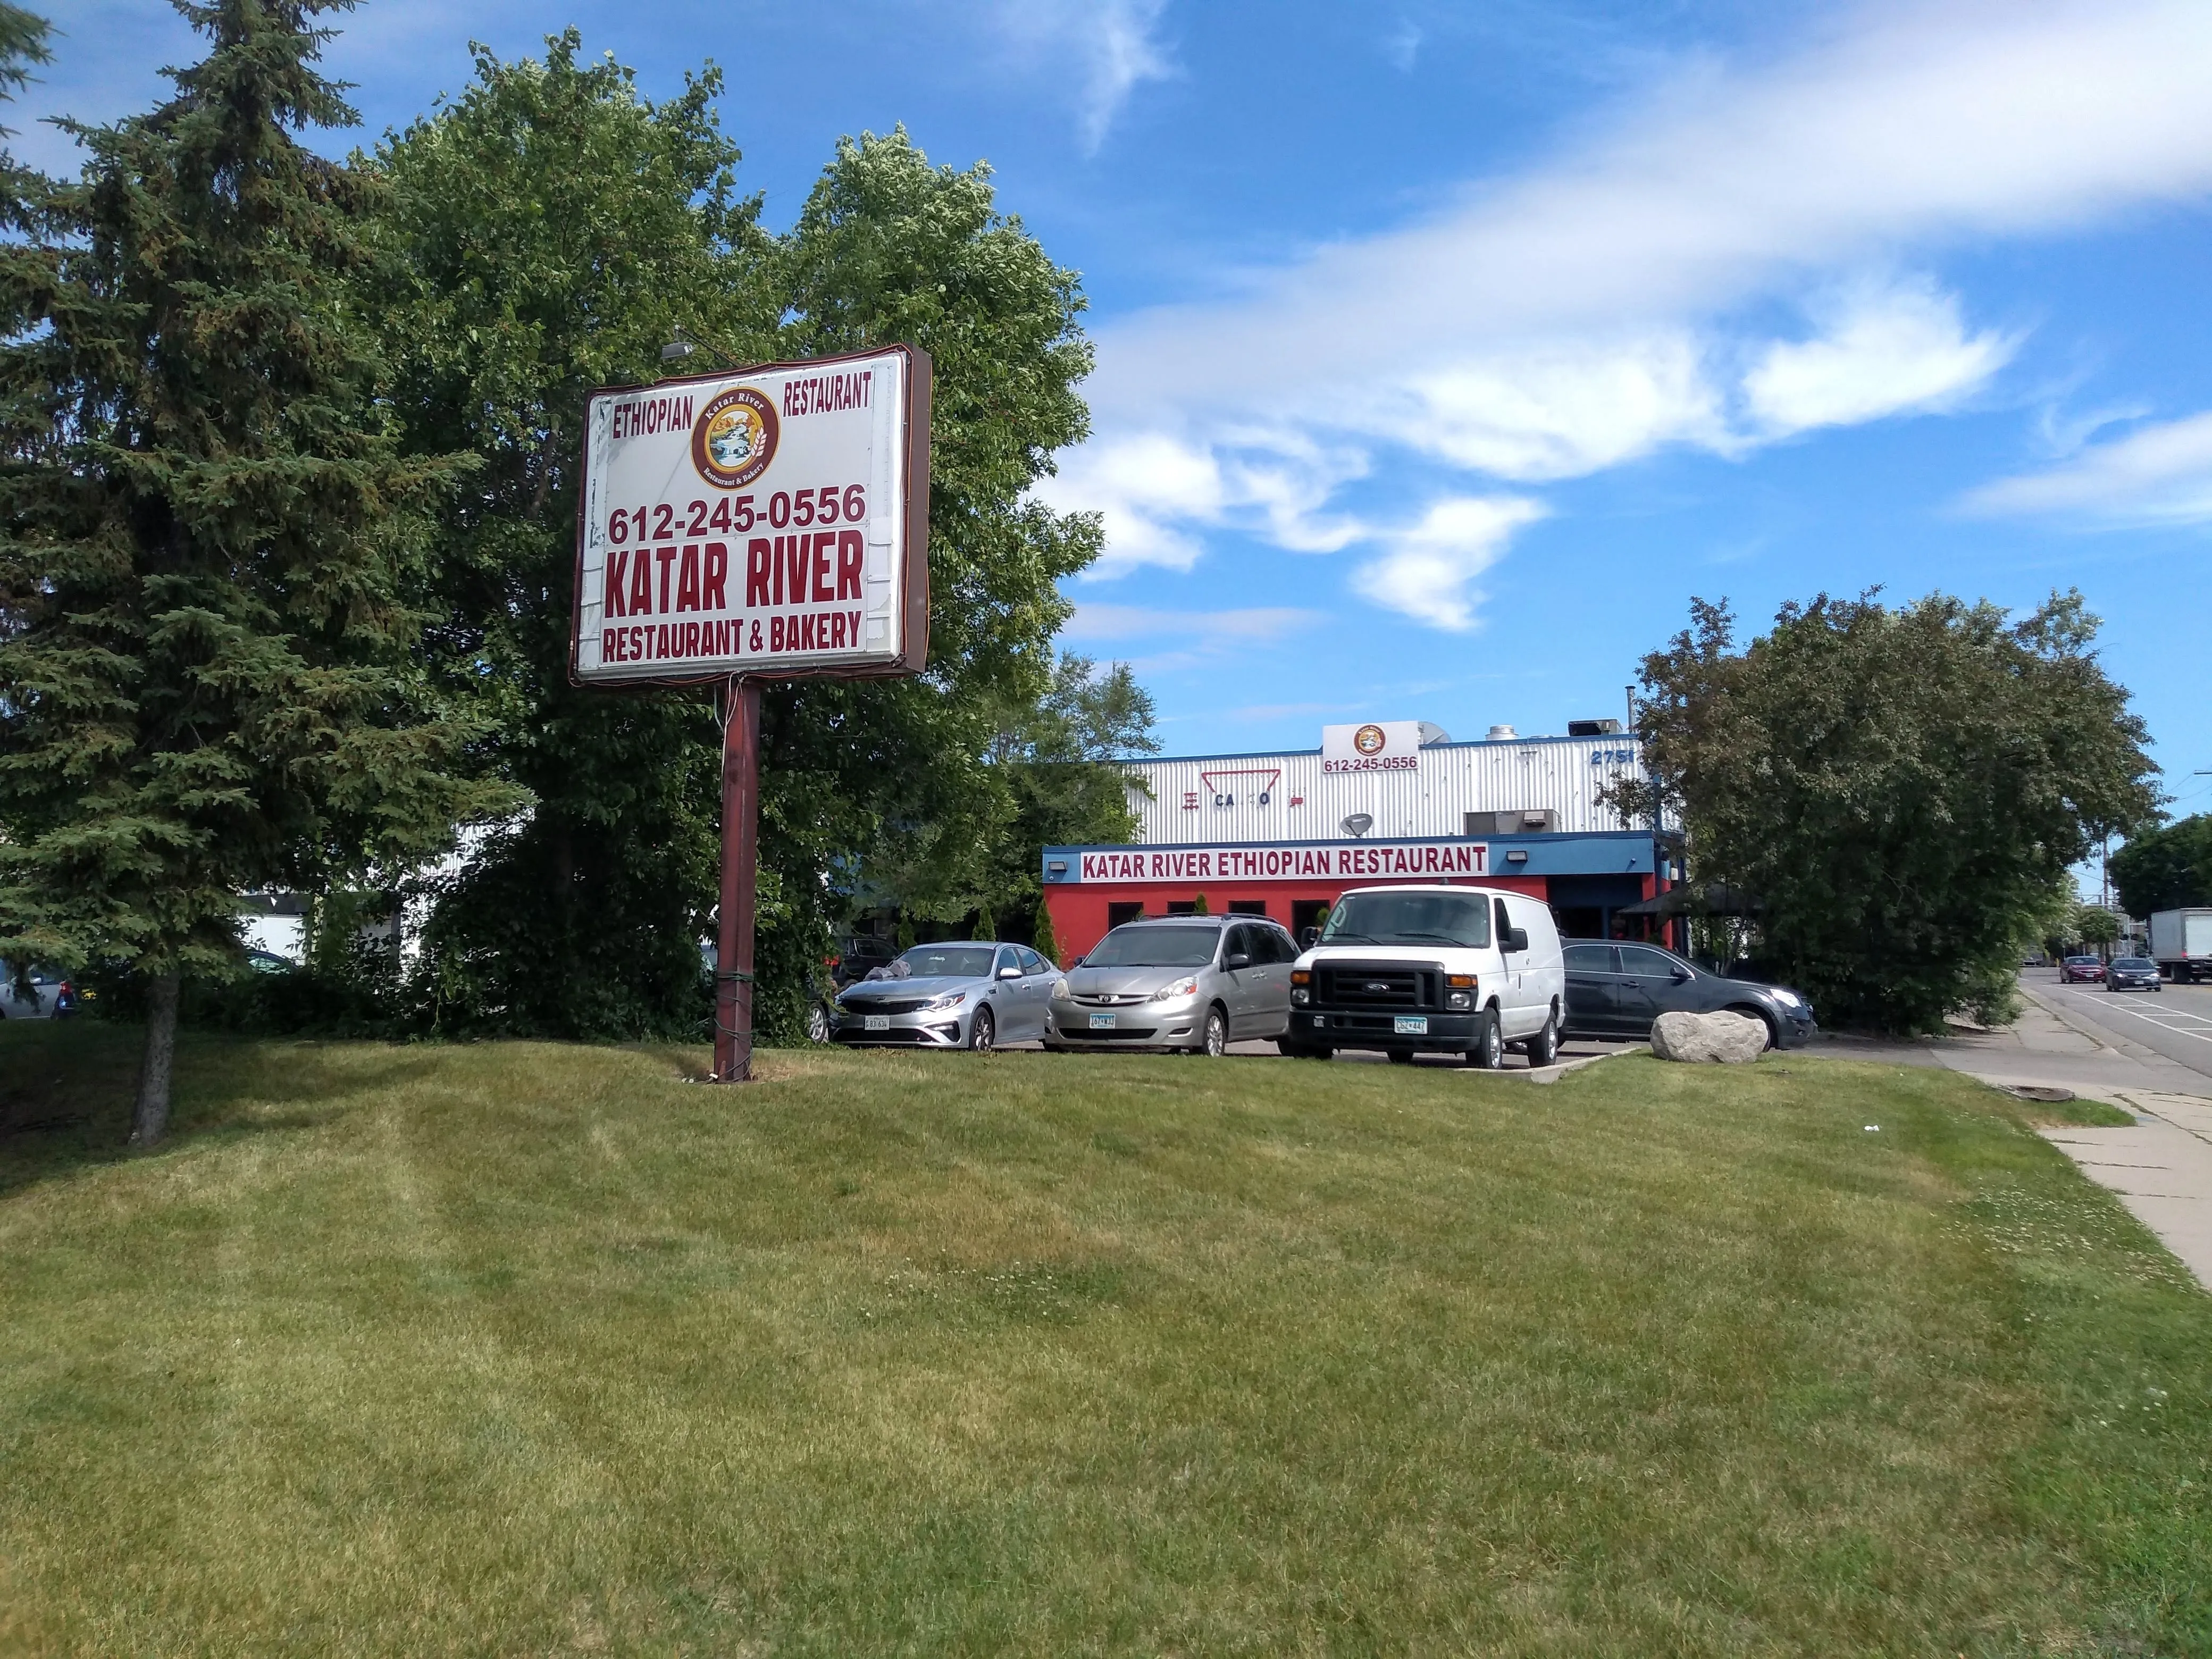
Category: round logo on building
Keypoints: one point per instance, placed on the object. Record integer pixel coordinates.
(1369, 740)
(734, 438)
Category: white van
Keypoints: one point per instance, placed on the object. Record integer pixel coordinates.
(1436, 969)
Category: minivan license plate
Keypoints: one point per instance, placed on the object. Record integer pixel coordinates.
(1410, 1026)
(875, 1022)
(1102, 1022)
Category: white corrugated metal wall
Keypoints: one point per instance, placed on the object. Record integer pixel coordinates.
(1287, 797)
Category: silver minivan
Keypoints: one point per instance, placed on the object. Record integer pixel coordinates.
(1191, 982)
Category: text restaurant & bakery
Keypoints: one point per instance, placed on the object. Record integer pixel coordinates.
(1383, 801)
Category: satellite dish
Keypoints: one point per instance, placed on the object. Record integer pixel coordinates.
(1358, 823)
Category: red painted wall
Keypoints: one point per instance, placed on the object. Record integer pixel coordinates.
(1078, 908)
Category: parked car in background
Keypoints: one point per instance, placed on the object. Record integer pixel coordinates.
(1617, 989)
(1191, 982)
(959, 995)
(858, 956)
(2081, 970)
(2133, 974)
(34, 993)
(1412, 969)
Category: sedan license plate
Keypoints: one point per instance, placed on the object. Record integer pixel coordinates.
(1102, 1022)
(1410, 1026)
(875, 1022)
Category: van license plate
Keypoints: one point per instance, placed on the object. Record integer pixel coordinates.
(1102, 1022)
(875, 1022)
(1410, 1026)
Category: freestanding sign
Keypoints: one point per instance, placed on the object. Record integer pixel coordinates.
(770, 523)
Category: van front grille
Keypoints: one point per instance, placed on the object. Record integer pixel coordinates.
(1382, 985)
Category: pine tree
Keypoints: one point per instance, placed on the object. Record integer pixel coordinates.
(209, 546)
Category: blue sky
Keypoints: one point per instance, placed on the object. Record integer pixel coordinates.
(1445, 351)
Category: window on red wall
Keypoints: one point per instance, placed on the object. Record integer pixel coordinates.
(1247, 907)
(1118, 913)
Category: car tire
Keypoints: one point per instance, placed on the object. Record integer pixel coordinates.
(818, 1024)
(1773, 1037)
(1213, 1042)
(1544, 1046)
(983, 1032)
(1488, 1053)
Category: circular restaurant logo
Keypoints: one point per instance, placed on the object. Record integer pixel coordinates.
(734, 439)
(1369, 740)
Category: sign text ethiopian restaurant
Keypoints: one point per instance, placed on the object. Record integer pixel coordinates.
(1411, 859)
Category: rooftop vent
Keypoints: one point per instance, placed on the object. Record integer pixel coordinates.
(1592, 728)
(1503, 734)
(1432, 733)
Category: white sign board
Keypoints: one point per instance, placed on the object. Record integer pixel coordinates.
(772, 522)
(1377, 746)
(1415, 860)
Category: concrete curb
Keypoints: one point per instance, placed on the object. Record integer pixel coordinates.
(1543, 1076)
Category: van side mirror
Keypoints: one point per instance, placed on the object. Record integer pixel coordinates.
(1516, 939)
(1237, 959)
(1307, 938)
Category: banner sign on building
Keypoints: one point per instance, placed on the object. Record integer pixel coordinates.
(1377, 746)
(1426, 860)
(769, 522)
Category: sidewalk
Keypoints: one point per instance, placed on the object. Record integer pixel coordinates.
(2160, 1168)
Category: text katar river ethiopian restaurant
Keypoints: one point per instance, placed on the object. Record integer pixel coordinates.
(1401, 859)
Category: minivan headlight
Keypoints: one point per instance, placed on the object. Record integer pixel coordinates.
(1060, 990)
(1185, 987)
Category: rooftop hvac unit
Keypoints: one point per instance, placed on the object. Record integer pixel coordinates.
(1593, 728)
(1524, 821)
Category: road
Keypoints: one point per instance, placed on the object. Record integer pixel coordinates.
(2175, 1023)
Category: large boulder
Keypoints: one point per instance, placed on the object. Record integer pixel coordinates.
(1708, 1039)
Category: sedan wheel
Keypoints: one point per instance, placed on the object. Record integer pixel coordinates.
(983, 1034)
(1217, 1033)
(1773, 1039)
(818, 1024)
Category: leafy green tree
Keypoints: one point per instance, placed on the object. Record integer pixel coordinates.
(2166, 868)
(211, 550)
(2095, 925)
(1904, 788)
(1059, 758)
(550, 230)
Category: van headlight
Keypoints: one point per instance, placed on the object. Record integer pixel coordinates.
(1300, 995)
(1185, 987)
(1460, 999)
(1060, 990)
(950, 1000)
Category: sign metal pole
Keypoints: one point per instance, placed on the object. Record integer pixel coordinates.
(733, 952)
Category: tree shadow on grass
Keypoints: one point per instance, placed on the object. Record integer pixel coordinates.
(67, 1088)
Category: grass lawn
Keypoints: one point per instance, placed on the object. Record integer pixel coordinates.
(523, 1348)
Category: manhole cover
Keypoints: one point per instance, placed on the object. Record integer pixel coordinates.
(2038, 1092)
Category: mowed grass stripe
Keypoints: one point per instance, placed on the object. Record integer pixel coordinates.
(527, 1347)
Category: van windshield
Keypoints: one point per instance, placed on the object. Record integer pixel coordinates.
(1165, 945)
(1461, 919)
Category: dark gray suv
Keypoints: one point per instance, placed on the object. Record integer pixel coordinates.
(1618, 990)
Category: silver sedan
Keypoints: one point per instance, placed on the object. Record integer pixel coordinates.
(949, 996)
(1193, 982)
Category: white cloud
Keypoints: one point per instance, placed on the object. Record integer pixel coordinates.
(1428, 569)
(1112, 42)
(2157, 475)
(1558, 411)
(1597, 306)
(1887, 349)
